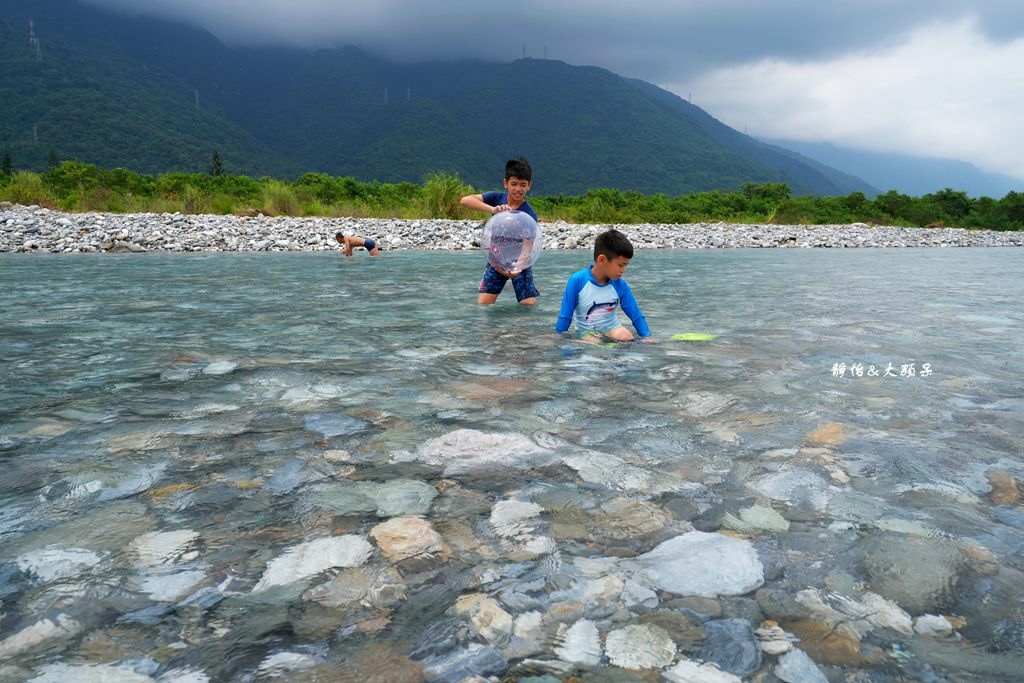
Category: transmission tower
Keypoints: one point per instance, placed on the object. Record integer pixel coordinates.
(33, 41)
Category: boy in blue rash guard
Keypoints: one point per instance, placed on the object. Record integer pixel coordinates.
(518, 178)
(593, 295)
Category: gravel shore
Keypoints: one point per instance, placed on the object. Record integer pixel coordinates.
(36, 229)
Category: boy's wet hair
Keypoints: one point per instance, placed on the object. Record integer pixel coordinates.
(518, 167)
(338, 235)
(612, 244)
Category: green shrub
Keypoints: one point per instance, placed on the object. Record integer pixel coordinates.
(279, 199)
(27, 188)
(441, 194)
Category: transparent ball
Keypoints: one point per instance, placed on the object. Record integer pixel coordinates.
(512, 240)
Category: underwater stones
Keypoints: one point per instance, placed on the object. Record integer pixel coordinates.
(613, 472)
(221, 367)
(797, 667)
(688, 671)
(918, 574)
(826, 644)
(731, 644)
(756, 518)
(397, 497)
(54, 562)
(640, 646)
(623, 518)
(308, 559)
(333, 424)
(798, 487)
(164, 585)
(933, 625)
(773, 638)
(44, 632)
(831, 434)
(511, 518)
(473, 660)
(349, 586)
(163, 547)
(704, 564)
(1005, 490)
(401, 538)
(469, 450)
(88, 673)
(579, 643)
(489, 620)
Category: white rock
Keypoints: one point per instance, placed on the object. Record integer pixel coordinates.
(309, 559)
(222, 367)
(510, 518)
(39, 633)
(688, 671)
(169, 587)
(705, 565)
(933, 625)
(162, 547)
(579, 643)
(794, 486)
(468, 450)
(54, 562)
(640, 646)
(88, 673)
(282, 663)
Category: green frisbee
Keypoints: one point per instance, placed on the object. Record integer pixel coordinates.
(694, 336)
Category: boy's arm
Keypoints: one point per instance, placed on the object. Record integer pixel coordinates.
(477, 203)
(632, 309)
(569, 300)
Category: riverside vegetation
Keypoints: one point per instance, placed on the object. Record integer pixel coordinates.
(78, 187)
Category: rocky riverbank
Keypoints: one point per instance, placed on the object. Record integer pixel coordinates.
(37, 229)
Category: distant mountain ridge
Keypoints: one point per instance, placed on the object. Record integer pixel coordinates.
(909, 175)
(156, 96)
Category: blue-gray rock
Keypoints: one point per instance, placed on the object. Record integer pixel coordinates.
(732, 645)
(473, 660)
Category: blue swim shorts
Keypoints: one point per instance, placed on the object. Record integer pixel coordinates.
(493, 282)
(369, 244)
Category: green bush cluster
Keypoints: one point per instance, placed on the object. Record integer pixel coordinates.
(74, 186)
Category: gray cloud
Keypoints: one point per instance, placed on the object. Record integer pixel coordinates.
(684, 45)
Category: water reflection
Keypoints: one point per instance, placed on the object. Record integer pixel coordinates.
(246, 467)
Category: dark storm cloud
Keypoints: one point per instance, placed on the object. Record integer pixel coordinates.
(656, 40)
(925, 77)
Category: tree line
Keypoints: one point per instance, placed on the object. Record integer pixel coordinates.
(78, 187)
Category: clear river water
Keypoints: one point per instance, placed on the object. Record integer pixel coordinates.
(306, 467)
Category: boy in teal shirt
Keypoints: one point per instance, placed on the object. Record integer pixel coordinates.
(594, 294)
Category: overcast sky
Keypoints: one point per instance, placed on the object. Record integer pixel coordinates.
(942, 78)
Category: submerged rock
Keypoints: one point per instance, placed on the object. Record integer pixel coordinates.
(308, 559)
(797, 667)
(163, 547)
(44, 632)
(731, 644)
(579, 643)
(919, 574)
(470, 450)
(688, 671)
(54, 562)
(404, 537)
(704, 564)
(640, 647)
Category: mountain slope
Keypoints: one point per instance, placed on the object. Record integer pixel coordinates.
(157, 96)
(914, 176)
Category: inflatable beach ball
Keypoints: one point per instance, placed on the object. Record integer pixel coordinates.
(512, 240)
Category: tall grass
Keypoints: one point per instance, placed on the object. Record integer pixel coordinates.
(441, 194)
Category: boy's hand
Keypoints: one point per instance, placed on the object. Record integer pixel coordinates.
(649, 340)
(500, 207)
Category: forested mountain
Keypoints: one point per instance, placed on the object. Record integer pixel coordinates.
(155, 96)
